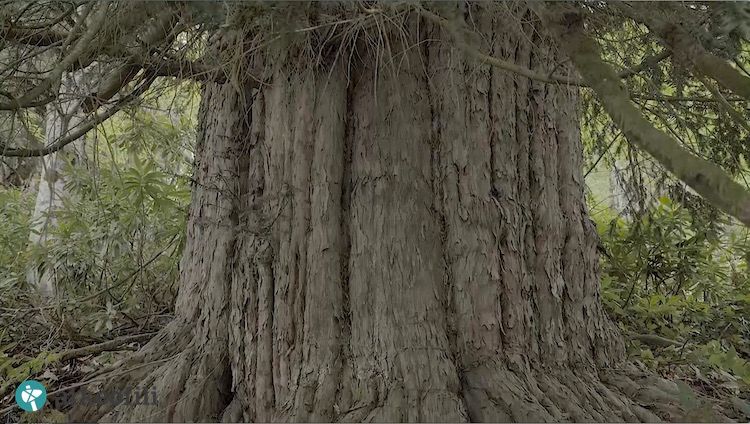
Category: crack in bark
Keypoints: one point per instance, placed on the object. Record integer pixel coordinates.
(266, 316)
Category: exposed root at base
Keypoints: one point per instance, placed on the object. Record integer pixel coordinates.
(195, 386)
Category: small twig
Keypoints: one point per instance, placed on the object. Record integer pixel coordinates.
(695, 99)
(94, 380)
(736, 116)
(648, 62)
(655, 341)
(602, 155)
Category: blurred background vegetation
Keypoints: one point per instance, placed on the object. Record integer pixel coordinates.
(114, 250)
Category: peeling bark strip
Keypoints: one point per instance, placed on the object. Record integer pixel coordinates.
(402, 237)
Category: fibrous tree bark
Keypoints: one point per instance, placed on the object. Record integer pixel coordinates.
(391, 231)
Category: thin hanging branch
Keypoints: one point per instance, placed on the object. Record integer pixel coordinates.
(604, 152)
(161, 32)
(646, 63)
(80, 54)
(460, 40)
(734, 113)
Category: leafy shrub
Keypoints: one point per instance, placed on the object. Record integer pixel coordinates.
(677, 283)
(114, 252)
(15, 212)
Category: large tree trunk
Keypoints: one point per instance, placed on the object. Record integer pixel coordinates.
(402, 236)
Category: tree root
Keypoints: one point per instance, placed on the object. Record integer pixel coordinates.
(195, 385)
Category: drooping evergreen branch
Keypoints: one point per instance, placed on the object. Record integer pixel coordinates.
(689, 48)
(706, 178)
(734, 113)
(88, 46)
(80, 52)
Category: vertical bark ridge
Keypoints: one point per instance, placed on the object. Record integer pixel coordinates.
(196, 383)
(300, 168)
(523, 319)
(322, 359)
(474, 227)
(460, 97)
(218, 179)
(290, 143)
(438, 209)
(502, 111)
(265, 401)
(573, 261)
(402, 368)
(281, 142)
(546, 217)
(249, 316)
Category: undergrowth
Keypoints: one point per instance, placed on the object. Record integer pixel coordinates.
(677, 284)
(114, 252)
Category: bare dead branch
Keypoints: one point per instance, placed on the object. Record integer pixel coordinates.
(31, 37)
(98, 348)
(84, 127)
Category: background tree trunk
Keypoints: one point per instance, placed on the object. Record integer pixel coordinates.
(402, 236)
(51, 192)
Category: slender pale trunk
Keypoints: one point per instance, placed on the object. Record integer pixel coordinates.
(51, 193)
(618, 191)
(400, 235)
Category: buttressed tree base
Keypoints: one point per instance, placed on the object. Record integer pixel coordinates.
(384, 229)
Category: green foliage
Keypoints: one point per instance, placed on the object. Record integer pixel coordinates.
(15, 212)
(14, 370)
(111, 229)
(711, 125)
(677, 283)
